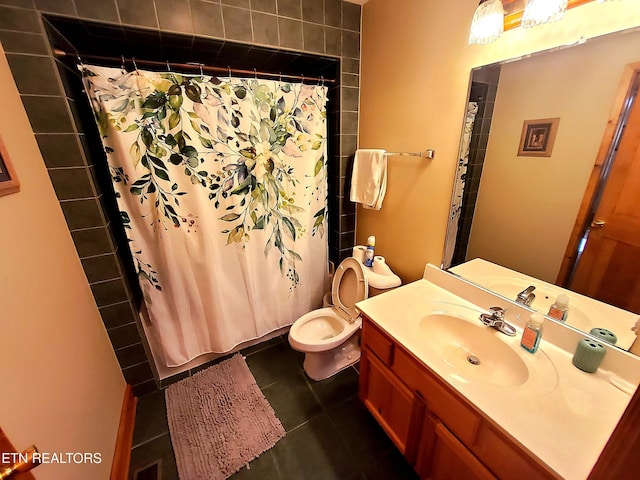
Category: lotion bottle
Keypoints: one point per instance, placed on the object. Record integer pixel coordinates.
(532, 333)
(370, 253)
(560, 309)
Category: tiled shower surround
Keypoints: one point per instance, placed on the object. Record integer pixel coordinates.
(324, 28)
(484, 87)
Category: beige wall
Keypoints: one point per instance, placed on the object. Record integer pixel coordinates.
(62, 388)
(414, 82)
(532, 202)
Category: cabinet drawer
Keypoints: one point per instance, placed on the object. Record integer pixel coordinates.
(377, 342)
(459, 419)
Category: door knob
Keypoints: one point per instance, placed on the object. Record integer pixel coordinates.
(25, 461)
(598, 224)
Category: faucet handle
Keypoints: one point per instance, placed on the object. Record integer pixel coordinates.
(498, 312)
(528, 290)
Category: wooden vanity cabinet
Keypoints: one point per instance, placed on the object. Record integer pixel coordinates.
(443, 457)
(396, 408)
(388, 400)
(437, 430)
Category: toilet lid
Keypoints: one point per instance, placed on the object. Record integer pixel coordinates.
(349, 287)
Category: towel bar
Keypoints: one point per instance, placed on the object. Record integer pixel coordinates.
(426, 154)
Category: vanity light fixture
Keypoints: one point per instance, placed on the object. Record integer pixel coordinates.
(488, 22)
(537, 12)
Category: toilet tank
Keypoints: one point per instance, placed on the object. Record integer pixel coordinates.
(377, 291)
(380, 277)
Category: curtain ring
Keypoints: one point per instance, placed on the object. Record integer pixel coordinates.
(303, 78)
(201, 71)
(168, 67)
(255, 74)
(322, 80)
(122, 65)
(229, 72)
(79, 59)
(133, 60)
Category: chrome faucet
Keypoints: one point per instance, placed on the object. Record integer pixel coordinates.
(526, 297)
(496, 320)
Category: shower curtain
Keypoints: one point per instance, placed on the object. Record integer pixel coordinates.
(458, 186)
(221, 186)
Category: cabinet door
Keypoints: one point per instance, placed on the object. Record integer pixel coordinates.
(388, 400)
(450, 458)
(506, 459)
(426, 447)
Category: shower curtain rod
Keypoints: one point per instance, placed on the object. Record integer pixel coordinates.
(191, 66)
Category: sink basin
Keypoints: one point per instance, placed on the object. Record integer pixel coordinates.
(475, 352)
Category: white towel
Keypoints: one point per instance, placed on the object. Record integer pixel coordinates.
(369, 178)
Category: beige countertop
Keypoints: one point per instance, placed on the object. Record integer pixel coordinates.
(561, 414)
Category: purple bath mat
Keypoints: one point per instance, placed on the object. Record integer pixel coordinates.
(219, 421)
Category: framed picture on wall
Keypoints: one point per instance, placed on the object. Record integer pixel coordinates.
(537, 137)
(8, 181)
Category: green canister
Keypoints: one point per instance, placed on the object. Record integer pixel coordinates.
(589, 355)
(604, 335)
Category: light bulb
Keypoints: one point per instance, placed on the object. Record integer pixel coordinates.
(488, 22)
(537, 12)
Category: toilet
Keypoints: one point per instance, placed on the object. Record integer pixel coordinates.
(330, 336)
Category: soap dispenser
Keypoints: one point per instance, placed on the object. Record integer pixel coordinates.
(560, 309)
(532, 332)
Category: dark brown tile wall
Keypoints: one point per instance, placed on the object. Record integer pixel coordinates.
(138, 12)
(207, 18)
(264, 5)
(327, 27)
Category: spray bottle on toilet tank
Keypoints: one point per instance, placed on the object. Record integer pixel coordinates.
(370, 253)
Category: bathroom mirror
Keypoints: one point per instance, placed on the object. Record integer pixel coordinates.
(518, 211)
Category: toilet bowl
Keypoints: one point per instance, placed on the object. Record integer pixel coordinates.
(329, 336)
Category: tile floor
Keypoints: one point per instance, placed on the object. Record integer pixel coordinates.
(330, 435)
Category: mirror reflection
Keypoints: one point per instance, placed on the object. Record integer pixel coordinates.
(548, 181)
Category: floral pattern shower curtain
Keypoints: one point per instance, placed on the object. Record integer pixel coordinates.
(221, 186)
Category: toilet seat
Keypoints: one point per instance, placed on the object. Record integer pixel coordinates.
(327, 328)
(321, 330)
(349, 286)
